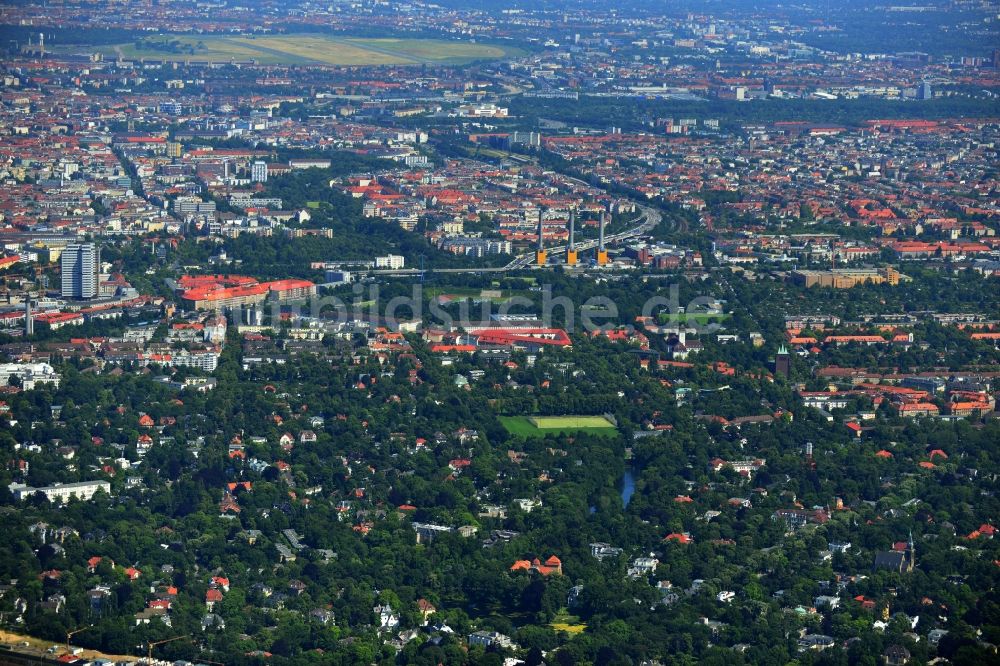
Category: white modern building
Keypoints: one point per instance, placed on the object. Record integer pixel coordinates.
(203, 360)
(390, 261)
(82, 490)
(258, 172)
(482, 111)
(30, 375)
(490, 639)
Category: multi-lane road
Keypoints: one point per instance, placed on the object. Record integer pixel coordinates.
(648, 221)
(644, 224)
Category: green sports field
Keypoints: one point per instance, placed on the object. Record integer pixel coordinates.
(539, 426)
(309, 49)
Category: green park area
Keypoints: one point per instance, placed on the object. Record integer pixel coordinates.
(691, 318)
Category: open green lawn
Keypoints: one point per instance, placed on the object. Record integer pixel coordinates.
(564, 621)
(473, 293)
(539, 426)
(304, 50)
(463, 292)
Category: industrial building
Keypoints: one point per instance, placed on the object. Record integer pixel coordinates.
(846, 278)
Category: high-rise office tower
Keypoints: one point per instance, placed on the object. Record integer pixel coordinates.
(80, 264)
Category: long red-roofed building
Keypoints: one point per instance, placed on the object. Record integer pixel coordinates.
(215, 292)
(522, 338)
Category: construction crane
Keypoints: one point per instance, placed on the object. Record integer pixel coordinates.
(70, 634)
(152, 644)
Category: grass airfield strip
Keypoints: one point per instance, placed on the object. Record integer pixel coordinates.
(307, 49)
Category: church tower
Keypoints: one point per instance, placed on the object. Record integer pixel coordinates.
(782, 362)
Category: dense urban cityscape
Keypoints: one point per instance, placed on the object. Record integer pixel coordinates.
(499, 333)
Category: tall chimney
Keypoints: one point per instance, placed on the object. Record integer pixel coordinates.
(541, 257)
(571, 255)
(602, 253)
